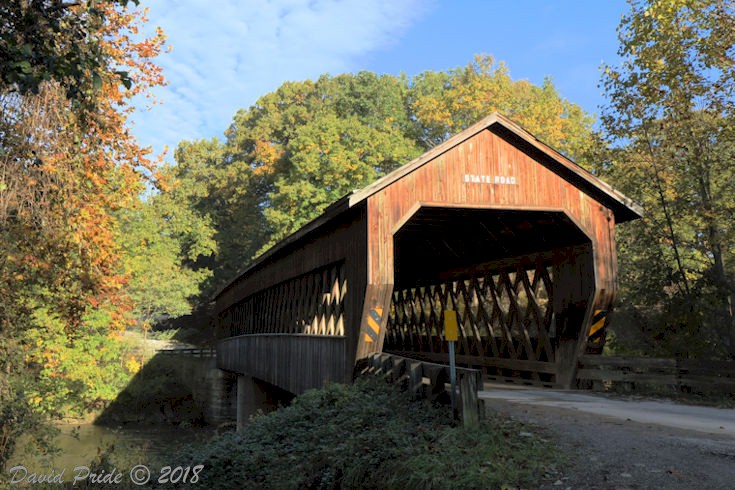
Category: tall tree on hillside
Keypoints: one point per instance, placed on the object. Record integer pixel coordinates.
(672, 105)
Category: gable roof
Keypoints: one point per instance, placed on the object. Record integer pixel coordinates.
(624, 208)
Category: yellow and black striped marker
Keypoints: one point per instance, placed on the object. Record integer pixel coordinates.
(375, 316)
(597, 330)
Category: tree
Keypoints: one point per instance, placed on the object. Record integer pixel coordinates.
(307, 144)
(671, 105)
(68, 166)
(360, 132)
(50, 40)
(445, 103)
(219, 193)
(160, 246)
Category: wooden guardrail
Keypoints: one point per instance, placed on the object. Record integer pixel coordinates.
(205, 352)
(537, 370)
(428, 380)
(684, 374)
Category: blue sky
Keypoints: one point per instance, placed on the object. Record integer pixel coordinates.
(227, 53)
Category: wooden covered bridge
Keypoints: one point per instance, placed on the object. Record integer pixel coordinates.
(493, 224)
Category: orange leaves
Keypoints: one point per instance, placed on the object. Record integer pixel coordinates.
(266, 155)
(70, 166)
(124, 46)
(110, 166)
(51, 360)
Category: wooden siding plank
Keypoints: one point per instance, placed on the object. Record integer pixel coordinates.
(295, 363)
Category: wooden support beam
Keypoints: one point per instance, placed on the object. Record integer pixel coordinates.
(375, 314)
(470, 407)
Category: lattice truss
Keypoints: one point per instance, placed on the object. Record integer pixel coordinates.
(311, 304)
(506, 314)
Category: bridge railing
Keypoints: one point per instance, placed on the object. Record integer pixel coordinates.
(697, 375)
(195, 352)
(428, 380)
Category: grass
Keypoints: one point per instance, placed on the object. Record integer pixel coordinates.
(369, 435)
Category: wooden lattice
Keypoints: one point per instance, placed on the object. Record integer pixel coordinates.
(504, 315)
(311, 304)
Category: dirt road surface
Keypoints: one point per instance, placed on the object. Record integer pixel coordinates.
(626, 444)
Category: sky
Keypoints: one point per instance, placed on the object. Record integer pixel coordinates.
(227, 53)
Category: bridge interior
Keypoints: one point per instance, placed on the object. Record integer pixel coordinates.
(439, 243)
(495, 268)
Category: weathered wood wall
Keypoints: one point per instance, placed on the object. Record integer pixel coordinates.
(291, 362)
(341, 240)
(531, 183)
(442, 183)
(312, 303)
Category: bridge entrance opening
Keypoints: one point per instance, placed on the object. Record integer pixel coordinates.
(498, 269)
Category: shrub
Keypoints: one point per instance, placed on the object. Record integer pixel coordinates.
(369, 435)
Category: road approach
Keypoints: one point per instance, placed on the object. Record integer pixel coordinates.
(710, 420)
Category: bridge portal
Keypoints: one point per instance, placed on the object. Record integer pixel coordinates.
(492, 224)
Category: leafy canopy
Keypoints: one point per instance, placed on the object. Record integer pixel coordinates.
(672, 112)
(68, 169)
(308, 143)
(50, 40)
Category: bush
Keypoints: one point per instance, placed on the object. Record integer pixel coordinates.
(369, 435)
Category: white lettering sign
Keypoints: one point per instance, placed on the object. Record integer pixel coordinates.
(490, 179)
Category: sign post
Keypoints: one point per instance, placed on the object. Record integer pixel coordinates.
(451, 334)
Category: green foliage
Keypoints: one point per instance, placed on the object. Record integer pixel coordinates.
(19, 417)
(68, 166)
(671, 106)
(161, 243)
(310, 143)
(170, 334)
(307, 144)
(45, 40)
(369, 435)
(74, 373)
(445, 103)
(330, 158)
(212, 186)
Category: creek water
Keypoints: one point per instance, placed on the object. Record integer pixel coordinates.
(80, 444)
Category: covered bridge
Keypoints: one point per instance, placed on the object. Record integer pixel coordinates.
(492, 223)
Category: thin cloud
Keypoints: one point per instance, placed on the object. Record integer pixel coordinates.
(226, 54)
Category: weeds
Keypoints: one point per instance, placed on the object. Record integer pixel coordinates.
(369, 435)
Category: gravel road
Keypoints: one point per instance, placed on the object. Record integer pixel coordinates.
(618, 452)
